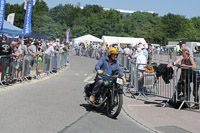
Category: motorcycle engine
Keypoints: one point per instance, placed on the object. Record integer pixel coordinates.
(107, 82)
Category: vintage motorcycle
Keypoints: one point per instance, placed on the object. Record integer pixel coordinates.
(109, 96)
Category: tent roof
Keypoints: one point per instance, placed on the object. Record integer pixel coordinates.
(11, 29)
(40, 36)
(87, 38)
(123, 40)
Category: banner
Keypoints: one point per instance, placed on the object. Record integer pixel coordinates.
(10, 18)
(26, 1)
(2, 13)
(34, 1)
(27, 21)
(67, 35)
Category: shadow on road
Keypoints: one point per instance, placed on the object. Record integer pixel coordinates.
(93, 109)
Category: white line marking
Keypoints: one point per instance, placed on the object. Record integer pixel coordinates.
(88, 78)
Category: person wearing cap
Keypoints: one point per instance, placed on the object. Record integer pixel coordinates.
(140, 61)
(145, 52)
(4, 39)
(14, 60)
(5, 50)
(186, 51)
(182, 45)
(48, 52)
(29, 55)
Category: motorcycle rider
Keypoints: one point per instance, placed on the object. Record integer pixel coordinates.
(106, 64)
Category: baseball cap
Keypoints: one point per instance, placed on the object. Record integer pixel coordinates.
(139, 43)
(4, 36)
(181, 42)
(54, 44)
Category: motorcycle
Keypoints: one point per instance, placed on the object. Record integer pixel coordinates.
(109, 96)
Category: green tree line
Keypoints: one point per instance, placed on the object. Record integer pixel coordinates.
(93, 19)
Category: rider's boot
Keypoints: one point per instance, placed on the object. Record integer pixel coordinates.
(92, 98)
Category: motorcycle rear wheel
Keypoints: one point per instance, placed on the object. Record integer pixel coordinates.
(113, 111)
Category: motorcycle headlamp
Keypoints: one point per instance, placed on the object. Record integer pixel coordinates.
(107, 82)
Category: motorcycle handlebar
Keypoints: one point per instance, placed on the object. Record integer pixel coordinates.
(113, 76)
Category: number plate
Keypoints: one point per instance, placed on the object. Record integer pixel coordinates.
(119, 81)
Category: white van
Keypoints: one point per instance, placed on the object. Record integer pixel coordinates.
(195, 46)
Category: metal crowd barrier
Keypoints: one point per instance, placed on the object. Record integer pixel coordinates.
(188, 80)
(157, 79)
(24, 67)
(163, 82)
(5, 66)
(197, 60)
(90, 52)
(165, 57)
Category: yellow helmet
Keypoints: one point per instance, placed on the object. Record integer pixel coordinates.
(113, 51)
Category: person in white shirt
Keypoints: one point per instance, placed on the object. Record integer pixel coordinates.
(141, 59)
(51, 50)
(48, 52)
(141, 62)
(127, 51)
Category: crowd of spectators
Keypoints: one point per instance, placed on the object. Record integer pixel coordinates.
(97, 50)
(17, 54)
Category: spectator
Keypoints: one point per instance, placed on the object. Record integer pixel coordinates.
(14, 64)
(29, 58)
(145, 52)
(127, 50)
(186, 78)
(48, 52)
(182, 45)
(5, 50)
(140, 61)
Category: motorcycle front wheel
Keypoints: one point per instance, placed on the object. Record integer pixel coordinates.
(113, 110)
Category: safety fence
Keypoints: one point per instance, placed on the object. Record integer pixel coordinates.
(90, 52)
(24, 68)
(188, 80)
(156, 79)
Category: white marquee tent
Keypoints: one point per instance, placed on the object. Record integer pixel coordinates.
(87, 38)
(123, 40)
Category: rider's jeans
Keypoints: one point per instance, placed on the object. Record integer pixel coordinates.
(98, 85)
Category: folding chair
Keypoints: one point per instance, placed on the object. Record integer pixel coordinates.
(147, 85)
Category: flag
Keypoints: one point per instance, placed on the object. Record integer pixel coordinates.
(26, 1)
(10, 18)
(27, 20)
(34, 2)
(2, 13)
(25, 4)
(67, 35)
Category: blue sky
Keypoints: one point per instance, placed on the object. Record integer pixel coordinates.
(188, 8)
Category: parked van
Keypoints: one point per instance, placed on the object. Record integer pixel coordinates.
(195, 46)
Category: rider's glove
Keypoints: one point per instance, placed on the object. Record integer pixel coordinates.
(100, 72)
(124, 79)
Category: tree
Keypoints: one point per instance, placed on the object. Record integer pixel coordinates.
(93, 19)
